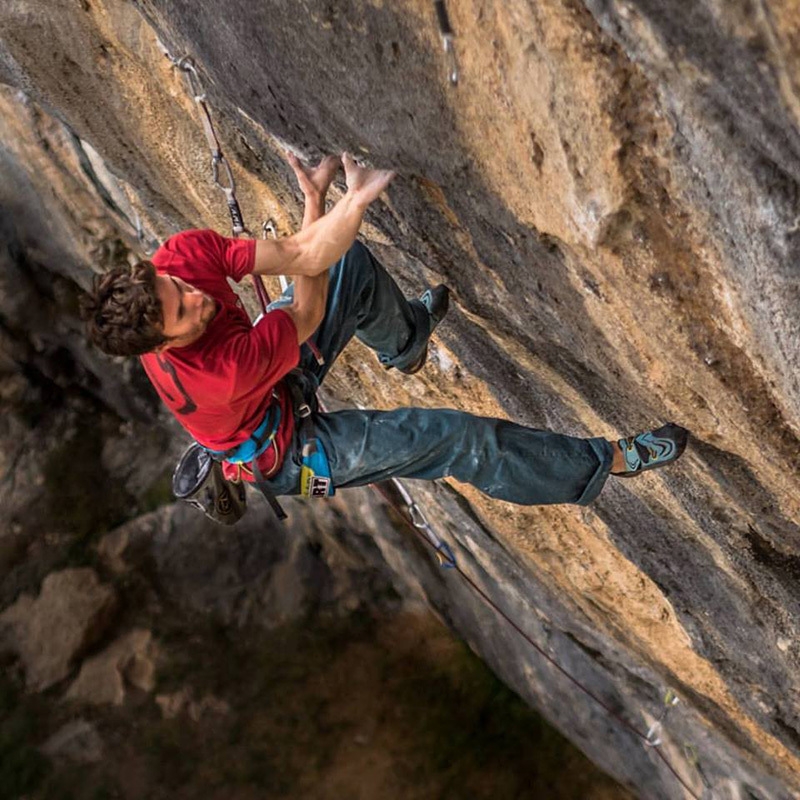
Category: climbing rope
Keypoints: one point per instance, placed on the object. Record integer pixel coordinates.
(650, 739)
(448, 37)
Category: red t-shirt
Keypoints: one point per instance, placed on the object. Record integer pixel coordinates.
(220, 386)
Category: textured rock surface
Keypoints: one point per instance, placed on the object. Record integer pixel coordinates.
(612, 194)
(130, 661)
(50, 631)
(76, 741)
(259, 572)
(177, 703)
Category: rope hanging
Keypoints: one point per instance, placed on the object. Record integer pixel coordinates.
(650, 739)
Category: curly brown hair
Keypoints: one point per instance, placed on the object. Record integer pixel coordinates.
(123, 314)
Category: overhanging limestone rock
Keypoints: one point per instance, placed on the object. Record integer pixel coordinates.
(612, 193)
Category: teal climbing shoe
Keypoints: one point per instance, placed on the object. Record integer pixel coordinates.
(652, 449)
(436, 301)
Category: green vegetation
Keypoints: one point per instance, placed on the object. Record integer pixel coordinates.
(309, 699)
(318, 709)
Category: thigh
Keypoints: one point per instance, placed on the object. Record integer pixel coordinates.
(367, 446)
(502, 459)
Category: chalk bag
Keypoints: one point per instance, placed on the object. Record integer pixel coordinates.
(198, 480)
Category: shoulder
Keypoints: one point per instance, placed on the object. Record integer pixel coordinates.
(188, 244)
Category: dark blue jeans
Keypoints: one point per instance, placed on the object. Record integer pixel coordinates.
(503, 459)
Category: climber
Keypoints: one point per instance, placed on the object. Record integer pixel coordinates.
(247, 392)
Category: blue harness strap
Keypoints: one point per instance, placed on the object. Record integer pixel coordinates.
(250, 449)
(258, 441)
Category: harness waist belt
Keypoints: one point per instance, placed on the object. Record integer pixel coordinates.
(258, 441)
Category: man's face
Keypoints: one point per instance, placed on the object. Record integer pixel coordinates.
(187, 311)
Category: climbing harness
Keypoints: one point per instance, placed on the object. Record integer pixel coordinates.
(446, 32)
(259, 440)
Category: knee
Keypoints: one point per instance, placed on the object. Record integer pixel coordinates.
(360, 258)
(360, 266)
(358, 250)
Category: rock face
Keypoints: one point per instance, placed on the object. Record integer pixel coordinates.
(173, 705)
(49, 632)
(259, 572)
(105, 678)
(76, 741)
(612, 194)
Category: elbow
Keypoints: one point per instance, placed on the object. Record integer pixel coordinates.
(296, 257)
(277, 256)
(307, 318)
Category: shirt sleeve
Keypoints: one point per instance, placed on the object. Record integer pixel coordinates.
(238, 257)
(266, 353)
(235, 258)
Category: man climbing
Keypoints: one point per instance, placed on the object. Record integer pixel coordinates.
(236, 388)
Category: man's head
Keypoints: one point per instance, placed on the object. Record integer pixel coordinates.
(134, 310)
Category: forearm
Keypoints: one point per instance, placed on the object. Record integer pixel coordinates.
(308, 307)
(318, 245)
(310, 293)
(314, 209)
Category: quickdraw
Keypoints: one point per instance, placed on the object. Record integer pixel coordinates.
(446, 32)
(442, 550)
(187, 66)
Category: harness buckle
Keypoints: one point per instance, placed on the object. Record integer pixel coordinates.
(303, 410)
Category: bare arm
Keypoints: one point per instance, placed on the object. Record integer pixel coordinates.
(312, 250)
(311, 292)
